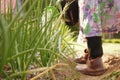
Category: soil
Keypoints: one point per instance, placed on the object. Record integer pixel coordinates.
(111, 62)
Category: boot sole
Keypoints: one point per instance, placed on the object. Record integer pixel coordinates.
(93, 73)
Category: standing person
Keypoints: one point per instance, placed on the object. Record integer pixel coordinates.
(91, 29)
(96, 17)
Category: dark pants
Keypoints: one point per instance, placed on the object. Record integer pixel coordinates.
(95, 46)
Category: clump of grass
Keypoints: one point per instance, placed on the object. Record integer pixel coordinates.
(34, 35)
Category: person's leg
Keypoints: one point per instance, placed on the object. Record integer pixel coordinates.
(91, 28)
(94, 62)
(95, 46)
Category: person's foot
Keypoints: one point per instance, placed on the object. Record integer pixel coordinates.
(82, 59)
(94, 67)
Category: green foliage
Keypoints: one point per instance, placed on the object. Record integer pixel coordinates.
(34, 35)
(111, 40)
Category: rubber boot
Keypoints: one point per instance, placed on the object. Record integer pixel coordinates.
(83, 59)
(94, 67)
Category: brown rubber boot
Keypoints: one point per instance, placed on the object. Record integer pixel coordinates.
(83, 59)
(94, 67)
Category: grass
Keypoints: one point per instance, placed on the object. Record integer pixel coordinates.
(33, 36)
(111, 40)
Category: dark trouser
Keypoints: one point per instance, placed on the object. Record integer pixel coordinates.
(95, 46)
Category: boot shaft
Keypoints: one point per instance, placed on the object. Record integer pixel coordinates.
(95, 63)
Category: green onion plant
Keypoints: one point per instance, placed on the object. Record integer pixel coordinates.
(32, 35)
